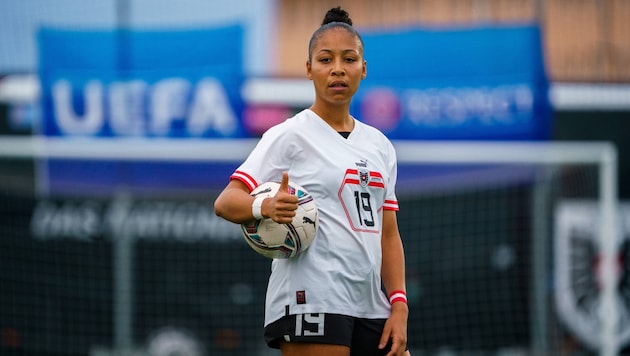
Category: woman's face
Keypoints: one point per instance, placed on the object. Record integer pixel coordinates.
(336, 66)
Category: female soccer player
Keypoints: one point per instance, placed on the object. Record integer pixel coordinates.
(330, 299)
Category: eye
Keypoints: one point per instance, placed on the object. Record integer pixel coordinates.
(351, 59)
(324, 60)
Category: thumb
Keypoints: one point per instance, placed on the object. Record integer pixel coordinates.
(284, 183)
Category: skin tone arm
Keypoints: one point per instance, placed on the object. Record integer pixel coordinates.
(393, 275)
(235, 204)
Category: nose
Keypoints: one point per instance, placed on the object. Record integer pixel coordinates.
(337, 68)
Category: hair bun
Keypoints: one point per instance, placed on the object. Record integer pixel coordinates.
(337, 14)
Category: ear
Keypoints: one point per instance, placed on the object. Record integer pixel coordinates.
(364, 74)
(309, 75)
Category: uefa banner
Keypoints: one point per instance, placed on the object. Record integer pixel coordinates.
(484, 83)
(177, 85)
(125, 83)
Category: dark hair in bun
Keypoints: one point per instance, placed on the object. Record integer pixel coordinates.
(337, 14)
(334, 18)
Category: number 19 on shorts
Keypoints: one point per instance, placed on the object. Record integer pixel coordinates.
(309, 324)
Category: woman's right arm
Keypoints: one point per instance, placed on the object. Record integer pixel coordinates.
(235, 203)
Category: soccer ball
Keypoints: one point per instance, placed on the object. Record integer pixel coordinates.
(274, 240)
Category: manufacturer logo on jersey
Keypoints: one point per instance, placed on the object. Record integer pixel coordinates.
(364, 174)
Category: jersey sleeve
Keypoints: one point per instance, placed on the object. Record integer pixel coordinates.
(269, 158)
(391, 202)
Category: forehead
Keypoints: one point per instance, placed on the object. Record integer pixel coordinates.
(337, 37)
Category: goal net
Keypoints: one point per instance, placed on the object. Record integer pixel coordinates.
(112, 245)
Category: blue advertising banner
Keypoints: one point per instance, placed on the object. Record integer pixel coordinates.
(457, 84)
(128, 84)
(123, 83)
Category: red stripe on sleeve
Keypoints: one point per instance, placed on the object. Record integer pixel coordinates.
(248, 180)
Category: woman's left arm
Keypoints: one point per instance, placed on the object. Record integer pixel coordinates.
(393, 276)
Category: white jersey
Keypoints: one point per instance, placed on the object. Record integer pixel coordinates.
(352, 181)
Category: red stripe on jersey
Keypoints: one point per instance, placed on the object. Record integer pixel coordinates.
(391, 205)
(248, 180)
(377, 184)
(371, 184)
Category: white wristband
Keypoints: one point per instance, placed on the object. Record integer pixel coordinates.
(257, 207)
(398, 296)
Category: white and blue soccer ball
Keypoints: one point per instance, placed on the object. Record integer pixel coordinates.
(274, 240)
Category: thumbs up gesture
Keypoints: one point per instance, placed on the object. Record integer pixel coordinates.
(283, 205)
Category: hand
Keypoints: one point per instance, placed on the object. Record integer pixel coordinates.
(396, 330)
(281, 208)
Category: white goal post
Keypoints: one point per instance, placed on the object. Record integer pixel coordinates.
(603, 155)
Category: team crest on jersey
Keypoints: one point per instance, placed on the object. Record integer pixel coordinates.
(364, 177)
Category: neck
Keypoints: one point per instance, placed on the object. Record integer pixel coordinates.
(338, 118)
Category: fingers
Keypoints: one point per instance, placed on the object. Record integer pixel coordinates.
(397, 348)
(384, 337)
(284, 183)
(284, 204)
(398, 345)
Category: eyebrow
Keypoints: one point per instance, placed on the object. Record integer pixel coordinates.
(343, 51)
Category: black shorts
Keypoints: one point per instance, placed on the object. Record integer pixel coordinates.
(361, 335)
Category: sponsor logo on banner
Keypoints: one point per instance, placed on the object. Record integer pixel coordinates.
(508, 105)
(156, 220)
(174, 106)
(443, 113)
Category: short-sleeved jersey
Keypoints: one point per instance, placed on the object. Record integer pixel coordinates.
(352, 181)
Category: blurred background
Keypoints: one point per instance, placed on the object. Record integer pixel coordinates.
(120, 120)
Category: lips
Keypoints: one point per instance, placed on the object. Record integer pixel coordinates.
(338, 84)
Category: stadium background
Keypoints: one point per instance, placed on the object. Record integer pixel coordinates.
(59, 255)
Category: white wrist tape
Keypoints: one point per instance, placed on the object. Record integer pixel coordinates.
(257, 207)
